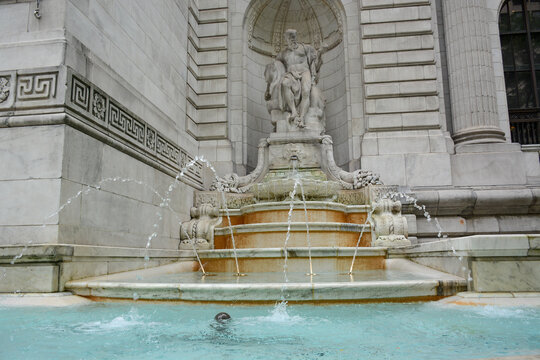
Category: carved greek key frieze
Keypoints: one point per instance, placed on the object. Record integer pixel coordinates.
(101, 109)
(80, 94)
(36, 86)
(135, 128)
(196, 169)
(167, 150)
(114, 118)
(4, 88)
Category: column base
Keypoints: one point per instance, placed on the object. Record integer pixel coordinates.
(479, 135)
(488, 165)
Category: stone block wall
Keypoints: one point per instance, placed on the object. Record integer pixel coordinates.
(97, 90)
(399, 65)
(28, 42)
(207, 86)
(334, 85)
(31, 157)
(30, 183)
(136, 51)
(406, 139)
(258, 119)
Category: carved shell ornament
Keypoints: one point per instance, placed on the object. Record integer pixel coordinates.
(317, 22)
(4, 89)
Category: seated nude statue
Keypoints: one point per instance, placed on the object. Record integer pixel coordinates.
(291, 79)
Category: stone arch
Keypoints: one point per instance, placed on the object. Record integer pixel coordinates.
(501, 3)
(260, 32)
(316, 21)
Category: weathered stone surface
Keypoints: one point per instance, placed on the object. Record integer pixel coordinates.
(22, 278)
(506, 275)
(41, 160)
(495, 164)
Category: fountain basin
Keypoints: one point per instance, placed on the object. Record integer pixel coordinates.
(271, 235)
(318, 211)
(401, 279)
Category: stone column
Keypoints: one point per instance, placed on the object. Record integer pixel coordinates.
(470, 70)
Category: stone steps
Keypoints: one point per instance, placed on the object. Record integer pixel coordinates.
(373, 290)
(324, 259)
(271, 235)
(421, 283)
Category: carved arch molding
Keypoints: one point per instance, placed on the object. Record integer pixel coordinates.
(317, 22)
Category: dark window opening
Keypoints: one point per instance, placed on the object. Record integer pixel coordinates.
(519, 27)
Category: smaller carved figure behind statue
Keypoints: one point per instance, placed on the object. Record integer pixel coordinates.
(292, 84)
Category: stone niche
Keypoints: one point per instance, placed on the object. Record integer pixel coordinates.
(319, 23)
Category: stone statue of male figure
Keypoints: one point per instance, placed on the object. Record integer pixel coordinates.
(300, 64)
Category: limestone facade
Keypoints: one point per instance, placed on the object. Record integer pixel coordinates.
(131, 91)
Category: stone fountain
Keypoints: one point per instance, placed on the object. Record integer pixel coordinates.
(337, 200)
(298, 150)
(297, 207)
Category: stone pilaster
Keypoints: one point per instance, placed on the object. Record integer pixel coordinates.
(471, 75)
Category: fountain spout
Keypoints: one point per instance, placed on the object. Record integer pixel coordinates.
(294, 164)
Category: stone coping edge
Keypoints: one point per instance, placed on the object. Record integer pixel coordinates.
(267, 291)
(298, 206)
(499, 299)
(295, 226)
(495, 200)
(57, 251)
(292, 252)
(476, 246)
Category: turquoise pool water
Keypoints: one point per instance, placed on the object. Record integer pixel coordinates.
(363, 331)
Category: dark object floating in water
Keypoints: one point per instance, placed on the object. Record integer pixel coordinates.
(222, 316)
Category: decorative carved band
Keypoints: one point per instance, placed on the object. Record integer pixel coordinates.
(36, 86)
(80, 94)
(94, 104)
(22, 89)
(4, 88)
